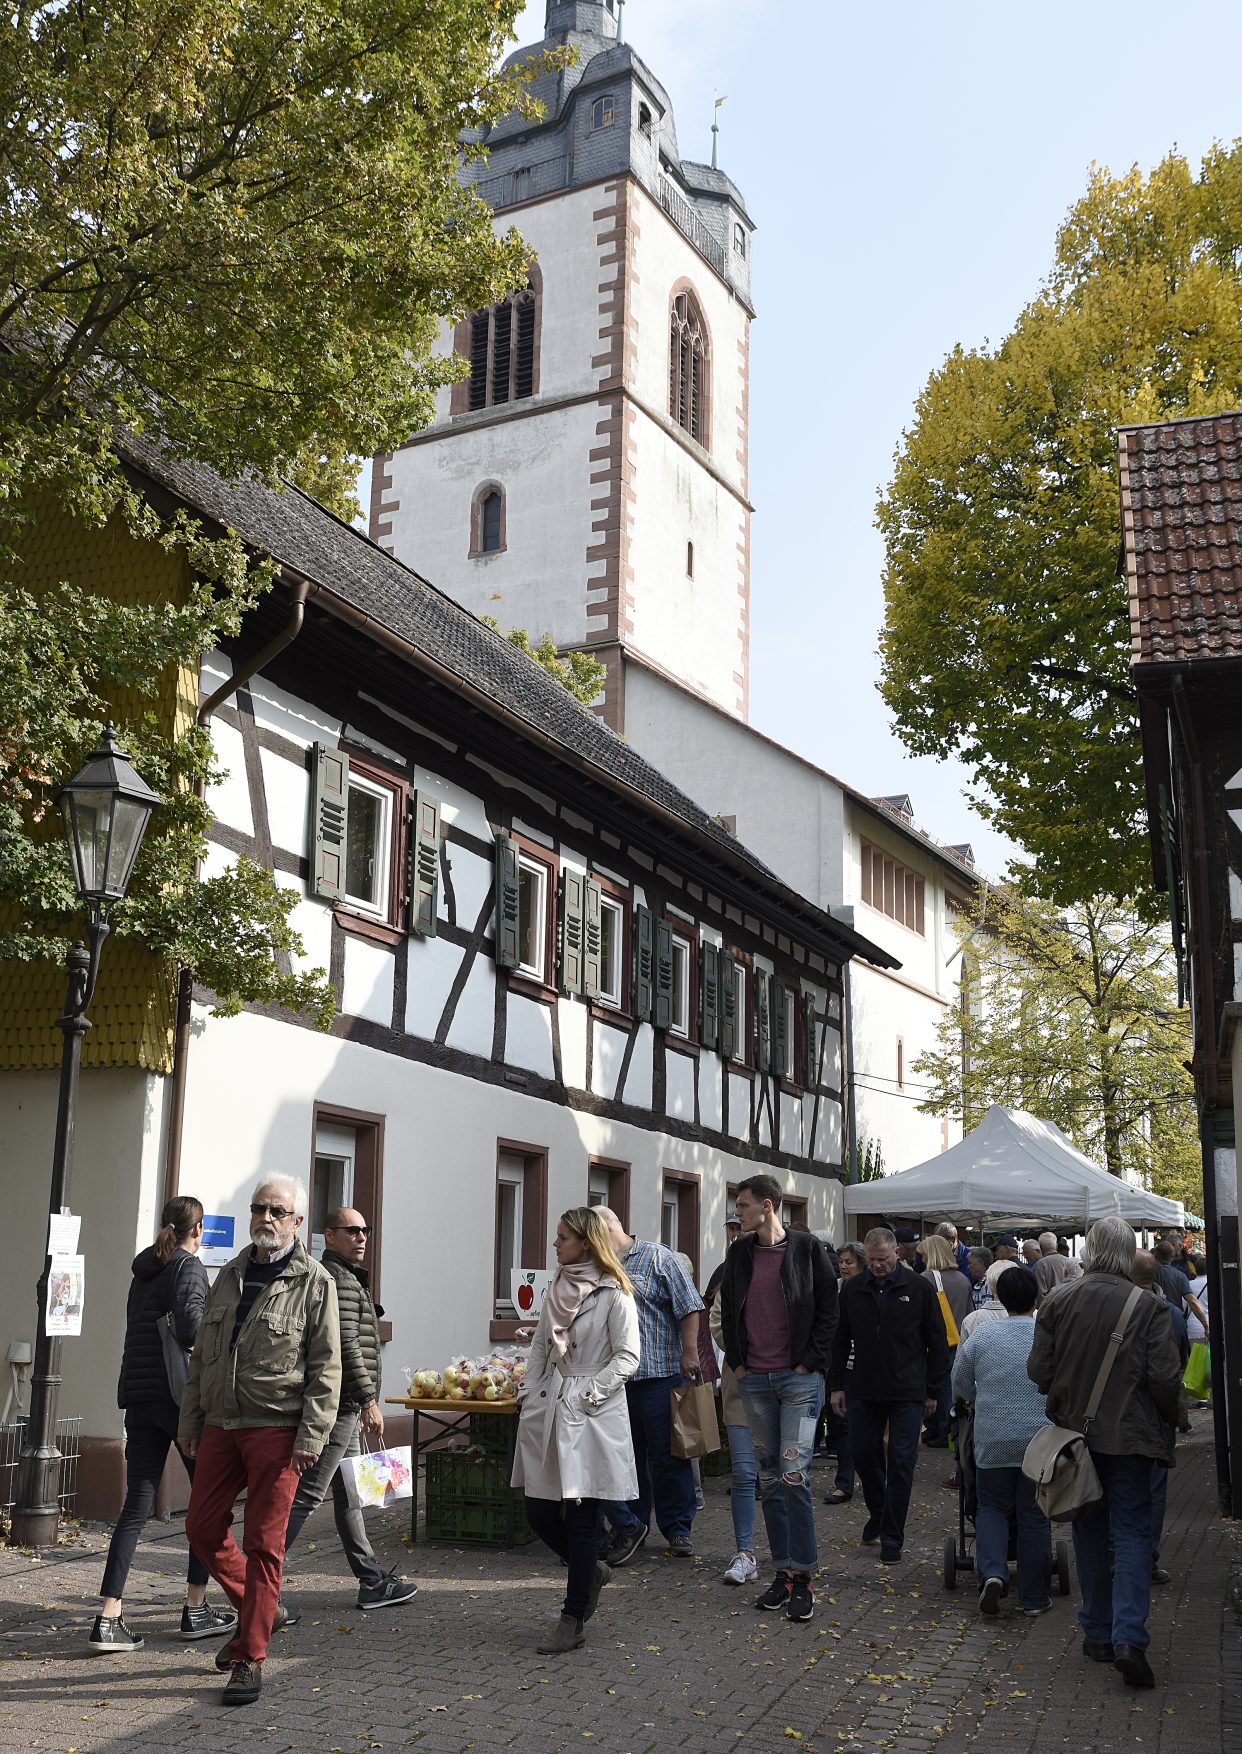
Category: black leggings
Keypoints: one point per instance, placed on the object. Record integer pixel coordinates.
(149, 1435)
(571, 1530)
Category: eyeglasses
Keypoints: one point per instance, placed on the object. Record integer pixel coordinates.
(259, 1207)
(354, 1230)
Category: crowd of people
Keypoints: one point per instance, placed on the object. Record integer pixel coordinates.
(879, 1348)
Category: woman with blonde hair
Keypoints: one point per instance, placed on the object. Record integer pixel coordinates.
(574, 1447)
(955, 1290)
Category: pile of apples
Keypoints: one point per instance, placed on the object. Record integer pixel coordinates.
(498, 1378)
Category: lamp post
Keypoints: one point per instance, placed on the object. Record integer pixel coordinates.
(105, 811)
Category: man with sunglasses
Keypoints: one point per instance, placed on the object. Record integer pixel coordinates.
(257, 1409)
(345, 1234)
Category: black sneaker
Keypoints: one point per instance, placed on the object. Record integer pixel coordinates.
(389, 1592)
(245, 1684)
(624, 1545)
(871, 1531)
(205, 1622)
(801, 1602)
(777, 1593)
(890, 1553)
(990, 1592)
(681, 1547)
(110, 1634)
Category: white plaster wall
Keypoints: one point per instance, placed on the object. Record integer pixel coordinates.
(474, 1021)
(229, 799)
(368, 985)
(607, 1057)
(528, 1035)
(883, 1010)
(115, 1186)
(438, 1297)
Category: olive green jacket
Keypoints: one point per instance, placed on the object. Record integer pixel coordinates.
(286, 1366)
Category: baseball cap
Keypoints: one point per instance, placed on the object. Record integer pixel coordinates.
(904, 1234)
(733, 1222)
(1010, 1242)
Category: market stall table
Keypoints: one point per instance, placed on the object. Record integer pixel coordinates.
(468, 1497)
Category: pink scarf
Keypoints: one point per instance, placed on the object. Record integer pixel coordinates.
(570, 1288)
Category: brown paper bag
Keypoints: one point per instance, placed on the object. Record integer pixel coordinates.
(693, 1411)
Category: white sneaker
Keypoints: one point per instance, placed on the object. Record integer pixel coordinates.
(744, 1569)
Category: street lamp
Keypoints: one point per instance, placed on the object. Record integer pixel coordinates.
(105, 810)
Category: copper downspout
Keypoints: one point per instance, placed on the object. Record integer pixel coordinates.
(299, 591)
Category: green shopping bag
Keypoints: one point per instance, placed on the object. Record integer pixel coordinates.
(1197, 1381)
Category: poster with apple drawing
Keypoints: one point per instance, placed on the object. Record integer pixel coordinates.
(528, 1289)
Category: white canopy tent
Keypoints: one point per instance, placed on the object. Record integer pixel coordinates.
(1015, 1170)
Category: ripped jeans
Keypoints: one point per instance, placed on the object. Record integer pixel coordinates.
(782, 1410)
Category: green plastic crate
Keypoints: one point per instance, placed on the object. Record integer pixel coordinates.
(720, 1462)
(465, 1475)
(487, 1522)
(494, 1432)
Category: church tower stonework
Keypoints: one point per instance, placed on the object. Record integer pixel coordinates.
(589, 478)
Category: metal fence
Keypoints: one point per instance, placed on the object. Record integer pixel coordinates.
(68, 1438)
(687, 220)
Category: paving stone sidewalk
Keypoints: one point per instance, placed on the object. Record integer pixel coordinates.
(676, 1659)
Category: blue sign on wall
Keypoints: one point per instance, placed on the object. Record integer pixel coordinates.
(217, 1231)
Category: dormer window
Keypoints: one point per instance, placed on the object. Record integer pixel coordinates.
(603, 112)
(644, 120)
(739, 238)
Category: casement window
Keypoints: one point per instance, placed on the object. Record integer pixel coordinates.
(375, 844)
(603, 112)
(891, 888)
(488, 520)
(689, 363)
(679, 1216)
(785, 1019)
(525, 892)
(521, 1217)
(332, 1179)
(611, 952)
(502, 345)
(739, 238)
(810, 1053)
(762, 985)
(793, 1212)
(674, 982)
(734, 1017)
(532, 917)
(592, 940)
(608, 1184)
(346, 1169)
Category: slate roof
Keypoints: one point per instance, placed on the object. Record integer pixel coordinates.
(312, 543)
(1181, 512)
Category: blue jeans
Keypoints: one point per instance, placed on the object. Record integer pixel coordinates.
(1159, 1502)
(743, 1487)
(782, 1410)
(1115, 1607)
(887, 1480)
(1002, 1493)
(665, 1481)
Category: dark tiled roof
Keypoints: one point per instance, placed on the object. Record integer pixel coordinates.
(298, 533)
(1181, 512)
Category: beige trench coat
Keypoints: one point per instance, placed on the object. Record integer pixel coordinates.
(574, 1428)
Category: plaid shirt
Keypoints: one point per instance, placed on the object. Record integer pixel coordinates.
(980, 1292)
(664, 1293)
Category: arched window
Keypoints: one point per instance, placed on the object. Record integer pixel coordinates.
(502, 345)
(739, 237)
(487, 520)
(603, 112)
(688, 368)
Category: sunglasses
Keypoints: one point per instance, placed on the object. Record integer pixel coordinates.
(259, 1207)
(354, 1230)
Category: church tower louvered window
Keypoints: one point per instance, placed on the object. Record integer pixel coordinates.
(688, 368)
(503, 348)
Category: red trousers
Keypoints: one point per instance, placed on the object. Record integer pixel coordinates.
(227, 1464)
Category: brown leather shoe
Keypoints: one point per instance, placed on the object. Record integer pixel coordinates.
(245, 1684)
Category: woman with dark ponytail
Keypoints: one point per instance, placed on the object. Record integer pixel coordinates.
(169, 1280)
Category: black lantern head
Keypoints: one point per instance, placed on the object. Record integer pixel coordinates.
(105, 810)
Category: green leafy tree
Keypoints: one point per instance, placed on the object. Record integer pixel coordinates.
(1007, 635)
(1074, 1017)
(578, 672)
(235, 224)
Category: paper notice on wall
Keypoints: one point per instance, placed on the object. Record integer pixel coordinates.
(529, 1287)
(66, 1295)
(63, 1230)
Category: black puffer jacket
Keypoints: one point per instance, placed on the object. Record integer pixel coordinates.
(810, 1299)
(178, 1284)
(360, 1341)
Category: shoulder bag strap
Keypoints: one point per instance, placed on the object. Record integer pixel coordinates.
(1110, 1357)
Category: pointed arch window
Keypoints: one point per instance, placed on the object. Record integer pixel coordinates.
(502, 345)
(488, 518)
(689, 360)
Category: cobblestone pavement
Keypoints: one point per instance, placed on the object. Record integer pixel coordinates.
(676, 1659)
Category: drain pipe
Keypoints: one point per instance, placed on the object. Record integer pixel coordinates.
(299, 591)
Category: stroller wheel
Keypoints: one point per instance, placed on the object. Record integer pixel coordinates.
(1063, 1569)
(950, 1562)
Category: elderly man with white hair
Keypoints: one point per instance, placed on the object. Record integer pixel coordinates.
(1051, 1269)
(1133, 1430)
(258, 1407)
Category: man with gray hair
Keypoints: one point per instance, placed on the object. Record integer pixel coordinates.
(257, 1409)
(960, 1251)
(1132, 1432)
(1051, 1269)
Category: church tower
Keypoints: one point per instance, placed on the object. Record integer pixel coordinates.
(588, 478)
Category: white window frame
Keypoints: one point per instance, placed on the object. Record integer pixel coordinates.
(599, 1186)
(538, 968)
(682, 960)
(333, 1144)
(789, 998)
(739, 238)
(603, 113)
(740, 1035)
(382, 851)
(670, 1208)
(509, 1175)
(611, 980)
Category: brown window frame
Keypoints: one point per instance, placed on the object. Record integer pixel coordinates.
(369, 1166)
(482, 494)
(689, 400)
(533, 1246)
(388, 927)
(689, 1202)
(618, 1185)
(467, 395)
(792, 1080)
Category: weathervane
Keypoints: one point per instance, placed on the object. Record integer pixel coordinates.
(716, 125)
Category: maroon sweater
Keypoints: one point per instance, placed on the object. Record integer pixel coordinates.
(767, 1318)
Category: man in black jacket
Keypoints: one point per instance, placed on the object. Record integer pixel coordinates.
(778, 1310)
(892, 1319)
(345, 1234)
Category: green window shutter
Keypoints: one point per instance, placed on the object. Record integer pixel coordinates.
(810, 1069)
(506, 903)
(663, 975)
(709, 1029)
(730, 1027)
(329, 822)
(781, 1043)
(593, 940)
(644, 964)
(423, 864)
(573, 884)
(763, 1030)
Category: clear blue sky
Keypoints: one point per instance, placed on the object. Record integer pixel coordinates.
(907, 166)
